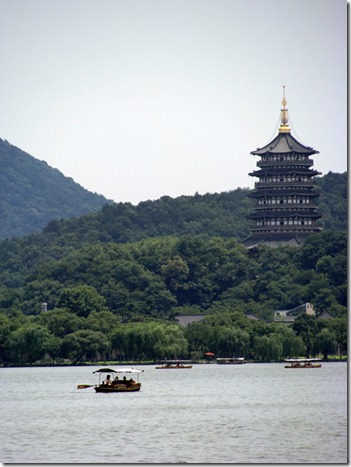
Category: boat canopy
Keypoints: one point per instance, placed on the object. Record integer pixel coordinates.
(118, 370)
(105, 370)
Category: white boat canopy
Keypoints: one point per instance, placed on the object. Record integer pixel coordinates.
(118, 370)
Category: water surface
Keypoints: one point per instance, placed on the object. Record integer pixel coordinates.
(253, 413)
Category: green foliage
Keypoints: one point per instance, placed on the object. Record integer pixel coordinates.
(113, 292)
(81, 300)
(85, 345)
(325, 343)
(33, 193)
(149, 340)
(30, 343)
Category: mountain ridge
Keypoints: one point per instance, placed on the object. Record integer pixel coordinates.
(35, 197)
(32, 193)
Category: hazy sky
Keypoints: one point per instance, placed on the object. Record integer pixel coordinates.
(137, 99)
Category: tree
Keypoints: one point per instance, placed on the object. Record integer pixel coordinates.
(30, 343)
(325, 343)
(60, 321)
(339, 328)
(85, 345)
(293, 345)
(305, 326)
(81, 300)
(153, 339)
(176, 272)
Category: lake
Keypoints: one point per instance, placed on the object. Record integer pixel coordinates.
(253, 413)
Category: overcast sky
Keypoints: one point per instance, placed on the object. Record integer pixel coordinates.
(137, 99)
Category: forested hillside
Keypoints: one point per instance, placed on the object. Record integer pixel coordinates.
(120, 299)
(32, 193)
(114, 281)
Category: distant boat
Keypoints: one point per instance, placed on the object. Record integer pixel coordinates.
(231, 361)
(174, 364)
(303, 363)
(116, 380)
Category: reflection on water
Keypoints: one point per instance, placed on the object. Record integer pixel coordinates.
(253, 413)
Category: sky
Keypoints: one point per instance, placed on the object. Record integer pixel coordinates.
(139, 99)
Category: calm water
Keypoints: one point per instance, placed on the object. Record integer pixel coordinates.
(253, 413)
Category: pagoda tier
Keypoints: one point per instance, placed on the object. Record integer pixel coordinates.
(287, 173)
(285, 193)
(292, 194)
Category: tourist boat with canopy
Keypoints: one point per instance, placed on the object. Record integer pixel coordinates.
(174, 364)
(119, 380)
(303, 363)
(231, 361)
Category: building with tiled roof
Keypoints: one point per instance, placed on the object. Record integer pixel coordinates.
(286, 210)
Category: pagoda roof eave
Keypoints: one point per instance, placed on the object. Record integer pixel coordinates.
(284, 143)
(264, 192)
(285, 213)
(278, 171)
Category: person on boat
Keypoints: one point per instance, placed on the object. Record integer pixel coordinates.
(116, 380)
(108, 381)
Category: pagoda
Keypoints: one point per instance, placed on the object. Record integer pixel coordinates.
(285, 210)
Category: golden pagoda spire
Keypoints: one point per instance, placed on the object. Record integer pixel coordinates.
(284, 125)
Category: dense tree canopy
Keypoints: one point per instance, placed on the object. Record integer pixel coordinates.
(114, 282)
(120, 300)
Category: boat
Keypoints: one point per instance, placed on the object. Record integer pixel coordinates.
(303, 363)
(119, 380)
(174, 364)
(231, 361)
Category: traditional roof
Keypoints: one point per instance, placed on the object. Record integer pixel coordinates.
(284, 143)
(275, 240)
(324, 315)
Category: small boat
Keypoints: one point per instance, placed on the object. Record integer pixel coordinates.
(303, 363)
(117, 381)
(231, 361)
(174, 364)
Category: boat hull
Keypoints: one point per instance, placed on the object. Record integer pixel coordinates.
(318, 365)
(178, 367)
(118, 388)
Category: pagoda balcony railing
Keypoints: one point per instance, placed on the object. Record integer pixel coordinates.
(283, 184)
(292, 164)
(285, 206)
(286, 228)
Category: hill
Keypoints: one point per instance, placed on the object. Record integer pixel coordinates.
(218, 214)
(32, 193)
